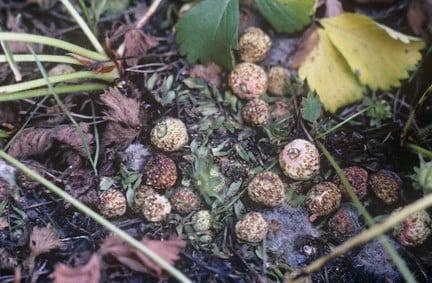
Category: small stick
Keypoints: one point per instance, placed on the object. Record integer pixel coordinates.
(141, 23)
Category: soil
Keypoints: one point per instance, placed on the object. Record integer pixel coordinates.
(161, 85)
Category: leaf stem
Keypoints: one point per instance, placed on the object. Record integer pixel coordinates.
(98, 218)
(418, 149)
(45, 40)
(45, 91)
(43, 58)
(84, 27)
(57, 79)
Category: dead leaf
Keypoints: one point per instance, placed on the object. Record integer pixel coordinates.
(333, 8)
(420, 17)
(374, 1)
(7, 261)
(34, 141)
(43, 240)
(4, 223)
(123, 116)
(135, 260)
(82, 186)
(88, 273)
(137, 43)
(307, 44)
(211, 73)
(18, 47)
(9, 115)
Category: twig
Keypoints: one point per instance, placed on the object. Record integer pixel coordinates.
(141, 23)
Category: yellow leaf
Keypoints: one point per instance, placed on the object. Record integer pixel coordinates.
(329, 75)
(379, 56)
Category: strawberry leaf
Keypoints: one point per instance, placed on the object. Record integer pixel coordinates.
(209, 32)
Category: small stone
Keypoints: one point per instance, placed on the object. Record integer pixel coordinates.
(252, 227)
(267, 189)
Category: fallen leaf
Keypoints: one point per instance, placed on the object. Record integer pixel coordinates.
(287, 15)
(378, 56)
(419, 17)
(123, 117)
(82, 186)
(135, 260)
(321, 66)
(43, 240)
(211, 73)
(138, 43)
(333, 8)
(34, 141)
(358, 52)
(88, 273)
(374, 1)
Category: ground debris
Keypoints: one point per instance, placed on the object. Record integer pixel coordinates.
(35, 141)
(88, 273)
(135, 260)
(123, 117)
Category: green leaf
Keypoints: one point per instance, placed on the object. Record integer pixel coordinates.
(287, 15)
(311, 108)
(209, 32)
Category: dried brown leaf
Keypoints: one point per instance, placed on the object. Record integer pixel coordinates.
(18, 47)
(374, 1)
(123, 116)
(333, 8)
(43, 240)
(70, 137)
(309, 41)
(135, 260)
(88, 273)
(9, 115)
(137, 43)
(211, 73)
(420, 17)
(82, 186)
(34, 141)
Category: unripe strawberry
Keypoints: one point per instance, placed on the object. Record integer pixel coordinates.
(414, 230)
(358, 178)
(184, 200)
(277, 81)
(322, 199)
(386, 186)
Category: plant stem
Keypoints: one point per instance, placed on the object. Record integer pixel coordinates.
(10, 59)
(418, 149)
(371, 233)
(42, 58)
(96, 217)
(413, 113)
(45, 40)
(57, 79)
(398, 261)
(45, 91)
(84, 27)
(342, 123)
